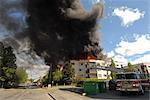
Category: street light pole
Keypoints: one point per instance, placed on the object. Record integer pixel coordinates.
(50, 74)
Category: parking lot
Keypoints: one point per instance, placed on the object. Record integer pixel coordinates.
(65, 93)
(69, 92)
(113, 95)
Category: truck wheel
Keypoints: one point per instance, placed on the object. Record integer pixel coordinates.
(123, 93)
(141, 92)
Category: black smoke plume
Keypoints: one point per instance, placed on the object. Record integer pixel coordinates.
(59, 29)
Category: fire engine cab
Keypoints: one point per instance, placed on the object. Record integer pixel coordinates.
(132, 81)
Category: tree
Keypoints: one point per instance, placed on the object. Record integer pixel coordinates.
(57, 75)
(68, 73)
(113, 73)
(45, 80)
(7, 66)
(21, 75)
(1, 55)
(130, 67)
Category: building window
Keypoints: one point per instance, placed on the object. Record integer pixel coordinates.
(85, 66)
(99, 69)
(92, 62)
(121, 66)
(105, 75)
(100, 75)
(81, 75)
(87, 71)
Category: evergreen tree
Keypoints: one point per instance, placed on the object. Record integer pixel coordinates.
(7, 66)
(68, 73)
(113, 73)
(57, 75)
(45, 79)
(1, 54)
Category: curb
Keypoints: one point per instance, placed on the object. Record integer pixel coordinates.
(51, 96)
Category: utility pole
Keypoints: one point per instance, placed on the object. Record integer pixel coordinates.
(50, 74)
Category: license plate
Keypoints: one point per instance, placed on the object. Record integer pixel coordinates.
(126, 85)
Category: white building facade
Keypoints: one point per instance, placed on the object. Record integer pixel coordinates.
(142, 67)
(89, 69)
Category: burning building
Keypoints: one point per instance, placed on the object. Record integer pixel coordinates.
(50, 31)
(88, 66)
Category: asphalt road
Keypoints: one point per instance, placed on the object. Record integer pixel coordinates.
(24, 94)
(64, 93)
(69, 93)
(113, 95)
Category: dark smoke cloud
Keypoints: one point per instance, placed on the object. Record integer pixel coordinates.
(53, 30)
(59, 29)
(12, 32)
(9, 9)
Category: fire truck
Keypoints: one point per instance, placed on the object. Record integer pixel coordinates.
(132, 82)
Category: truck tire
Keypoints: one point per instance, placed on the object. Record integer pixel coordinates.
(141, 92)
(123, 93)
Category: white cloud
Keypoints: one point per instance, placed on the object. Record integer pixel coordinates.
(139, 46)
(126, 50)
(120, 59)
(110, 54)
(143, 59)
(128, 15)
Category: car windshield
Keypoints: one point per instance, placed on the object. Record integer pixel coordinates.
(131, 76)
(120, 76)
(142, 76)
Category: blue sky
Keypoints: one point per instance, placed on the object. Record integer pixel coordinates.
(125, 29)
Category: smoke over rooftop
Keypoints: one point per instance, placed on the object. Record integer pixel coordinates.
(48, 30)
(60, 28)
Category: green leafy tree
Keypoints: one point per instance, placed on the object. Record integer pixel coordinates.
(1, 55)
(113, 73)
(7, 66)
(68, 73)
(45, 80)
(57, 75)
(21, 75)
(130, 67)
